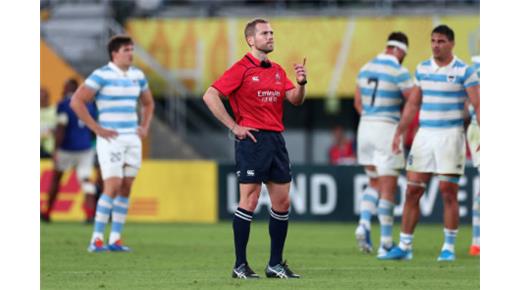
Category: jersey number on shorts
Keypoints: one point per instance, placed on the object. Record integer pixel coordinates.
(375, 80)
(115, 157)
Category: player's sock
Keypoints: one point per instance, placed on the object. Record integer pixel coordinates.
(103, 209)
(241, 227)
(90, 199)
(278, 224)
(449, 240)
(118, 218)
(385, 213)
(368, 206)
(405, 241)
(476, 221)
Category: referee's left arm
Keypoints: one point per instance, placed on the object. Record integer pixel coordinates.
(296, 96)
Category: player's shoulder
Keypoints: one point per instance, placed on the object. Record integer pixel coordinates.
(459, 63)
(102, 71)
(64, 105)
(425, 63)
(136, 71)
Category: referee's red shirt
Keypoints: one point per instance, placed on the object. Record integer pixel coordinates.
(256, 93)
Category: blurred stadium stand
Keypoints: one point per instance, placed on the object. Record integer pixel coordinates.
(183, 127)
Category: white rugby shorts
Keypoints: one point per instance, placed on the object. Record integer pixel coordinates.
(440, 151)
(82, 161)
(374, 147)
(120, 156)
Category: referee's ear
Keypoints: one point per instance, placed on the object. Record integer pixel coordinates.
(250, 41)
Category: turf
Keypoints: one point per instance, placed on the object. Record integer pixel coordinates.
(193, 256)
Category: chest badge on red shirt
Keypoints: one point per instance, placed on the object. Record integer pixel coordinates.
(255, 78)
(277, 78)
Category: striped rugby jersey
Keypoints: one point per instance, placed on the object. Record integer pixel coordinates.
(444, 92)
(381, 82)
(117, 93)
(476, 66)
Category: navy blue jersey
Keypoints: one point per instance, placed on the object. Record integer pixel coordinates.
(77, 135)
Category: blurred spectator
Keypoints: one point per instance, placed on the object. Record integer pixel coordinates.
(74, 150)
(47, 124)
(342, 150)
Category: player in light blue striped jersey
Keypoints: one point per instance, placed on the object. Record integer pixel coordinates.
(382, 86)
(444, 82)
(117, 88)
(473, 136)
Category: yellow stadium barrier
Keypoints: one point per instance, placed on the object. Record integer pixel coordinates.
(164, 191)
(200, 50)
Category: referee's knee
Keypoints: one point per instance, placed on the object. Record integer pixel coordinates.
(282, 205)
(250, 203)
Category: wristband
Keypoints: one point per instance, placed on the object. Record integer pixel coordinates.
(302, 83)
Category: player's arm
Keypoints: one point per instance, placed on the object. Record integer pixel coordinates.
(466, 116)
(212, 98)
(296, 95)
(81, 97)
(412, 106)
(358, 105)
(147, 108)
(474, 97)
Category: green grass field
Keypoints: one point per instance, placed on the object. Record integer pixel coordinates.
(190, 256)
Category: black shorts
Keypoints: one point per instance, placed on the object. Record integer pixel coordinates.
(264, 161)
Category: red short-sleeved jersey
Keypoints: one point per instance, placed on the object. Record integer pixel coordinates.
(256, 93)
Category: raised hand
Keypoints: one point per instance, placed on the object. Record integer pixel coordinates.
(301, 73)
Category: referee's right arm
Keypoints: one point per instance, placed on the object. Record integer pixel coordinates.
(216, 106)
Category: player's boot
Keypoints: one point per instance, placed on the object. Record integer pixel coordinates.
(474, 250)
(363, 239)
(97, 246)
(118, 247)
(244, 272)
(383, 251)
(397, 253)
(280, 271)
(446, 256)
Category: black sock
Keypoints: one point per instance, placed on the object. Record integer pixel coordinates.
(278, 223)
(241, 227)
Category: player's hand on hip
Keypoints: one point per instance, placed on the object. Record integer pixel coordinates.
(396, 143)
(300, 71)
(243, 132)
(142, 132)
(106, 133)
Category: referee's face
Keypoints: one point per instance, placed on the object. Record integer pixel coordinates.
(264, 39)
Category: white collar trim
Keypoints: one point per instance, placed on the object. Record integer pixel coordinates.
(117, 69)
(436, 67)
